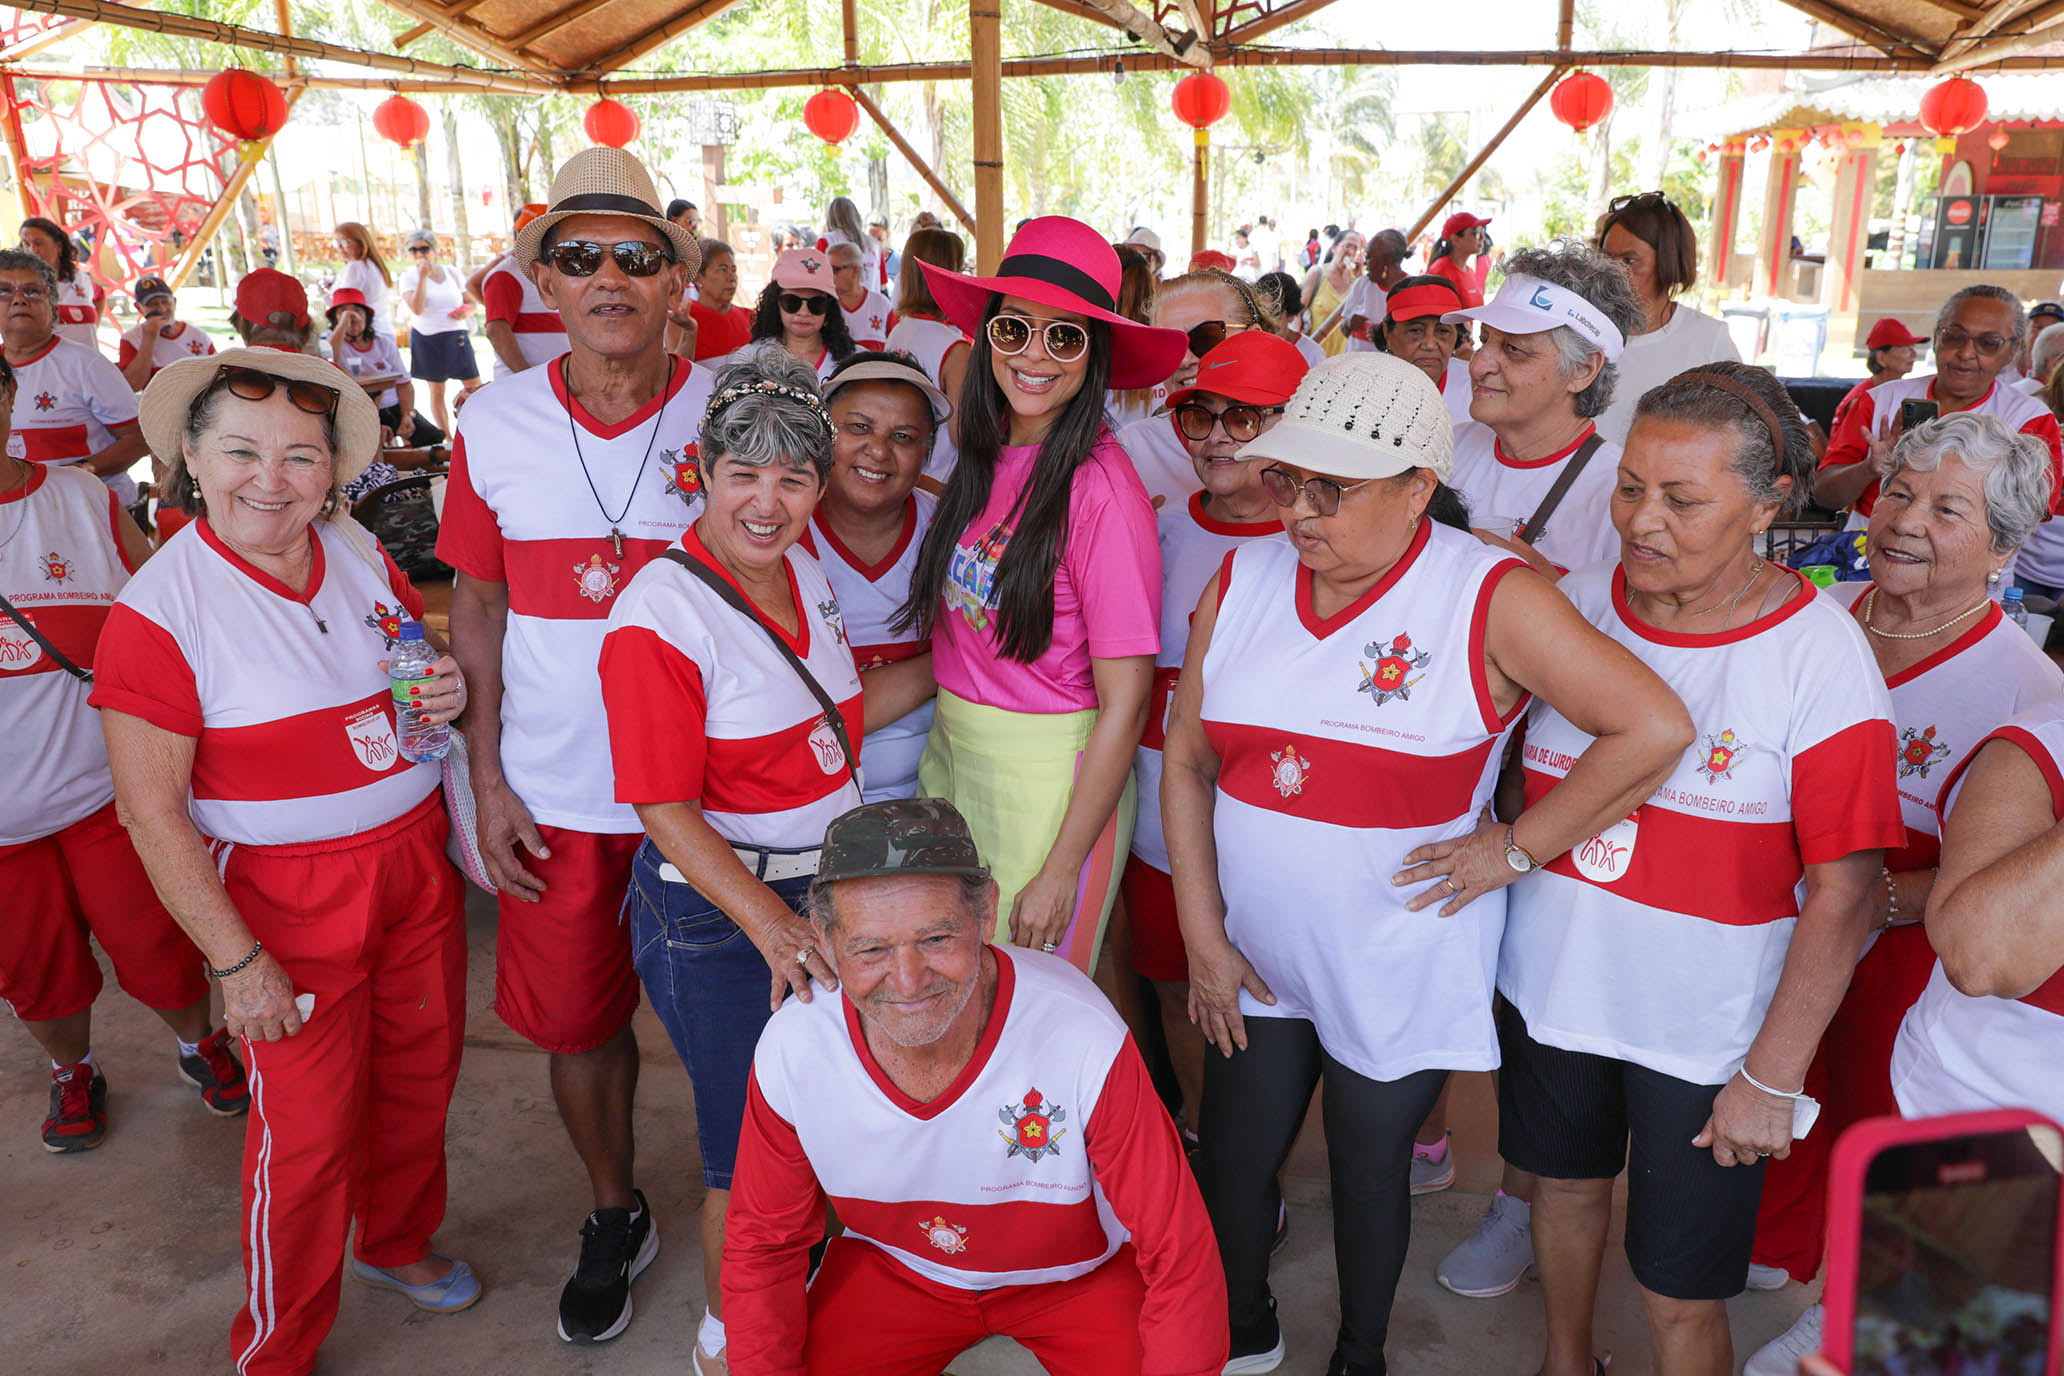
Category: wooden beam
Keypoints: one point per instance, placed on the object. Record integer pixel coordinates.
(467, 35)
(2032, 30)
(1193, 15)
(1287, 13)
(1082, 9)
(403, 39)
(985, 63)
(1988, 20)
(162, 76)
(1453, 188)
(1856, 26)
(1200, 191)
(246, 168)
(1194, 51)
(1968, 13)
(546, 27)
(665, 33)
(910, 155)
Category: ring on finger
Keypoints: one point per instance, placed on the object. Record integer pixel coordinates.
(802, 957)
(1449, 880)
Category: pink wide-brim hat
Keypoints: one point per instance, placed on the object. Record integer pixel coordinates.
(1065, 264)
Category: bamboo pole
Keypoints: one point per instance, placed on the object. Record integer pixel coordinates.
(472, 36)
(985, 54)
(1449, 192)
(2036, 28)
(1192, 52)
(1200, 190)
(910, 155)
(1565, 23)
(849, 29)
(286, 28)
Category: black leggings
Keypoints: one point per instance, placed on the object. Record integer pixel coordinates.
(1254, 1102)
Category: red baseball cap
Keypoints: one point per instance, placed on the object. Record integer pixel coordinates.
(1458, 222)
(1253, 366)
(267, 293)
(1889, 333)
(1417, 297)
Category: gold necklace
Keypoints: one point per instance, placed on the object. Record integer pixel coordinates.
(1754, 574)
(1870, 603)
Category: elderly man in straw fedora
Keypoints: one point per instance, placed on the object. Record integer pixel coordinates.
(565, 481)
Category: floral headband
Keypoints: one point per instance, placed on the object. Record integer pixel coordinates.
(740, 391)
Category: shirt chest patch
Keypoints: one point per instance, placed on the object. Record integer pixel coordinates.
(1721, 754)
(1033, 1127)
(596, 579)
(371, 733)
(1392, 670)
(1919, 752)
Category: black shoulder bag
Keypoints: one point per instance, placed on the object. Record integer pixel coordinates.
(1530, 533)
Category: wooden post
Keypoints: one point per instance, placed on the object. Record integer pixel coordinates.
(1454, 187)
(718, 218)
(238, 180)
(284, 225)
(286, 28)
(910, 154)
(1200, 191)
(1774, 242)
(1856, 176)
(1726, 217)
(985, 53)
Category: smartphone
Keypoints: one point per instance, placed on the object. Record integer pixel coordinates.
(1916, 412)
(1943, 1238)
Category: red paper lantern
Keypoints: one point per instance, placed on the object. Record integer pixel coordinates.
(611, 122)
(1957, 106)
(401, 121)
(1581, 100)
(1201, 99)
(831, 116)
(244, 105)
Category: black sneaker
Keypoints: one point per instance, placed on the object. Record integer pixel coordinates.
(616, 1245)
(1258, 1348)
(78, 1109)
(218, 1074)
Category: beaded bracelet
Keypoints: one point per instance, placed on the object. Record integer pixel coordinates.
(256, 947)
(1891, 900)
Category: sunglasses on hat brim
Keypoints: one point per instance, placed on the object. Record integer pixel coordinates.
(252, 385)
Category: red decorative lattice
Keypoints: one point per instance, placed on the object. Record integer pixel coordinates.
(131, 167)
(19, 26)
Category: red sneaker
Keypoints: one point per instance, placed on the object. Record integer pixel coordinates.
(78, 1109)
(218, 1074)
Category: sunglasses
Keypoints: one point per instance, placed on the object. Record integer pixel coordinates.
(1065, 340)
(1322, 493)
(418, 248)
(252, 385)
(1241, 422)
(1212, 333)
(583, 258)
(816, 303)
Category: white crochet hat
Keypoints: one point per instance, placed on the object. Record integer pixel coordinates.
(1362, 415)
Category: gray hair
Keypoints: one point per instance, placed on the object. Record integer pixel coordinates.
(1983, 291)
(972, 889)
(21, 260)
(419, 236)
(850, 250)
(766, 426)
(1757, 459)
(1602, 283)
(2049, 345)
(184, 493)
(2013, 468)
(710, 248)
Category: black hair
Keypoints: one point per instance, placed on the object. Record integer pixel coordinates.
(766, 322)
(677, 205)
(1038, 522)
(1448, 507)
(67, 250)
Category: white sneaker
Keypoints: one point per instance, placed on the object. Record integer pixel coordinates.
(1763, 1277)
(1494, 1259)
(1780, 1356)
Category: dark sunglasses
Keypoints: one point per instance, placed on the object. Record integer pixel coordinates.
(1065, 340)
(817, 303)
(1323, 493)
(1207, 336)
(583, 257)
(252, 385)
(419, 248)
(1242, 423)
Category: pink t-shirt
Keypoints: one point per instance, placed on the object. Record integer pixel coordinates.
(1107, 589)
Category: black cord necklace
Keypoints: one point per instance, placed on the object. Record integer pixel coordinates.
(616, 521)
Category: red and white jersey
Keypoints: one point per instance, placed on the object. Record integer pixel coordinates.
(1960, 1054)
(1162, 461)
(871, 321)
(929, 341)
(1503, 494)
(1660, 940)
(61, 566)
(507, 293)
(870, 597)
(1871, 413)
(1047, 1154)
(292, 718)
(185, 340)
(702, 707)
(68, 402)
(518, 510)
(78, 311)
(1357, 739)
(1193, 546)
(377, 355)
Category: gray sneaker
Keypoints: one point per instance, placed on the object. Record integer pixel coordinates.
(1431, 1177)
(1494, 1258)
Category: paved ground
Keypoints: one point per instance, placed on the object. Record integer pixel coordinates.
(123, 1262)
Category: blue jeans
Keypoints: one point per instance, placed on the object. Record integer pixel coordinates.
(708, 983)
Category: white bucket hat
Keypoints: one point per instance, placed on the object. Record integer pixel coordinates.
(1362, 415)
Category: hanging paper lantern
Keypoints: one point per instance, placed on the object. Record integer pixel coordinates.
(1957, 106)
(1700, 155)
(1996, 140)
(1201, 99)
(1581, 100)
(401, 121)
(611, 122)
(244, 105)
(831, 116)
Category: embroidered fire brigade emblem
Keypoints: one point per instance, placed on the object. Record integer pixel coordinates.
(833, 618)
(387, 621)
(1722, 753)
(949, 1238)
(1919, 752)
(597, 580)
(678, 467)
(1399, 665)
(45, 401)
(55, 569)
(196, 346)
(1288, 770)
(1033, 1131)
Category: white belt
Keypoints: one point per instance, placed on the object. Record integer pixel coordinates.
(768, 866)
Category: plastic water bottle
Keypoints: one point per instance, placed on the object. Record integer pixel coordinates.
(2010, 603)
(411, 665)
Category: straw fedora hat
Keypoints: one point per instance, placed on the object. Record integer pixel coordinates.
(164, 405)
(605, 181)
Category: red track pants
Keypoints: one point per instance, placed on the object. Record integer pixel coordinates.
(347, 1117)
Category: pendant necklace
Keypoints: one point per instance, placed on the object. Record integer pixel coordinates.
(616, 521)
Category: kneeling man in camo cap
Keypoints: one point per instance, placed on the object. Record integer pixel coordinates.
(983, 1126)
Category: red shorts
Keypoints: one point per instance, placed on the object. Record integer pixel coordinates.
(87, 878)
(563, 977)
(1157, 945)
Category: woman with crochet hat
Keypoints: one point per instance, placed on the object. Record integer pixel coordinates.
(799, 307)
(1040, 583)
(1331, 752)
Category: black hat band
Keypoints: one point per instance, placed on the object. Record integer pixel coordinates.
(1057, 273)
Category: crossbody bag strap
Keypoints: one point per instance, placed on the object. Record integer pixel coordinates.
(1530, 533)
(57, 657)
(735, 600)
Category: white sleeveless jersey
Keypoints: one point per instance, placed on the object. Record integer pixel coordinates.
(61, 566)
(871, 322)
(1959, 1054)
(519, 510)
(1162, 461)
(68, 401)
(510, 295)
(1660, 940)
(1502, 494)
(929, 341)
(1193, 546)
(190, 342)
(78, 313)
(869, 599)
(1343, 745)
(292, 718)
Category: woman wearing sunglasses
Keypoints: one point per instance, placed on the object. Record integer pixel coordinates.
(800, 308)
(440, 350)
(242, 683)
(1040, 583)
(1208, 306)
(1335, 736)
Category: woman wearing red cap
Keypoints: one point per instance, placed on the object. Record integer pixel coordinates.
(1208, 306)
(1892, 351)
(1040, 582)
(1414, 331)
(1461, 239)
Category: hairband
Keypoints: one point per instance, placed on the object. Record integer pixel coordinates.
(740, 390)
(1748, 398)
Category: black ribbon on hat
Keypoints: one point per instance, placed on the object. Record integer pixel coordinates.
(1057, 273)
(607, 201)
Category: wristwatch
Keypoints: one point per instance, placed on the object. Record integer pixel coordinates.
(1517, 856)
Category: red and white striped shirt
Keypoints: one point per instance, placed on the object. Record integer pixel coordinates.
(1660, 940)
(510, 295)
(182, 341)
(68, 403)
(292, 718)
(1871, 413)
(78, 311)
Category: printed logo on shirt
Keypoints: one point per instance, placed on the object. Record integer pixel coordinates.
(1033, 1127)
(597, 580)
(55, 569)
(17, 445)
(971, 576)
(45, 401)
(831, 756)
(387, 621)
(834, 619)
(1398, 668)
(195, 346)
(1919, 752)
(682, 476)
(371, 733)
(1722, 753)
(1606, 856)
(18, 649)
(949, 1238)
(1289, 772)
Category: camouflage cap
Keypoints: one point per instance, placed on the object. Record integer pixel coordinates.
(899, 836)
